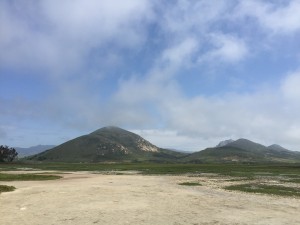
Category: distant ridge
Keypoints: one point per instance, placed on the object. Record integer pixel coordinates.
(107, 144)
(243, 150)
(23, 152)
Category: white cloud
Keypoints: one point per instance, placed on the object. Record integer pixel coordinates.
(76, 31)
(94, 22)
(266, 116)
(191, 16)
(290, 87)
(171, 139)
(281, 18)
(227, 48)
(61, 37)
(194, 124)
(191, 25)
(181, 53)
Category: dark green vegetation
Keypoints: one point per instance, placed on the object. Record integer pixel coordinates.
(233, 170)
(7, 154)
(190, 184)
(5, 188)
(113, 144)
(266, 189)
(107, 144)
(24, 177)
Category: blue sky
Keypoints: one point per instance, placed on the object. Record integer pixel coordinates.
(183, 74)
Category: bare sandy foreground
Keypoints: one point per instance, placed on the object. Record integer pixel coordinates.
(87, 198)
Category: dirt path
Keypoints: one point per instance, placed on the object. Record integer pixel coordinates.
(86, 198)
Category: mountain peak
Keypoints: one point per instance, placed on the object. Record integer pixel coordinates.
(240, 143)
(109, 129)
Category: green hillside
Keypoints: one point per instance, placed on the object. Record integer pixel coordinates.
(107, 144)
(113, 144)
(243, 150)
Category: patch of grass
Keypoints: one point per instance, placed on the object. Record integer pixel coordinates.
(247, 171)
(265, 189)
(190, 184)
(292, 181)
(5, 188)
(27, 177)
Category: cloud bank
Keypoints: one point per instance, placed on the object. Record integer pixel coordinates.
(185, 74)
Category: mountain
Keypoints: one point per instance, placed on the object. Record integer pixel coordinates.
(23, 152)
(243, 150)
(107, 144)
(113, 144)
(282, 152)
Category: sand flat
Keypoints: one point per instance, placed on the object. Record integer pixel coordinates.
(87, 198)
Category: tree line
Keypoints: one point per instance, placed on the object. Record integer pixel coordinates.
(7, 154)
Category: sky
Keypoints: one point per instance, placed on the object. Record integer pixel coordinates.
(183, 74)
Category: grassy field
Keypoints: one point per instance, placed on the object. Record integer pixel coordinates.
(266, 189)
(286, 174)
(235, 170)
(23, 177)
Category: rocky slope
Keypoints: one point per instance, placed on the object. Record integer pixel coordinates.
(107, 144)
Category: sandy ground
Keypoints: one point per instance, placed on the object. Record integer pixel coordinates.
(87, 198)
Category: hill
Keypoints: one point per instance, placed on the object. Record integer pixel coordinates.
(243, 150)
(23, 152)
(107, 144)
(113, 144)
